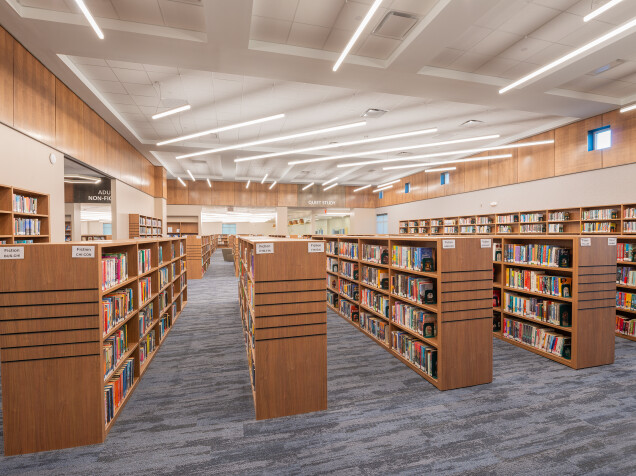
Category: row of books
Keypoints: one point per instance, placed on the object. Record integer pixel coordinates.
(113, 349)
(600, 214)
(349, 269)
(117, 388)
(349, 310)
(419, 354)
(626, 252)
(559, 313)
(164, 277)
(348, 288)
(331, 247)
(629, 212)
(507, 218)
(629, 226)
(414, 318)
(348, 249)
(534, 228)
(415, 288)
(539, 282)
(484, 220)
(599, 227)
(375, 253)
(377, 301)
(332, 298)
(626, 325)
(164, 299)
(332, 265)
(626, 275)
(114, 269)
(23, 242)
(115, 307)
(556, 228)
(146, 346)
(23, 204)
(149, 221)
(145, 319)
(375, 277)
(467, 221)
(414, 258)
(538, 254)
(437, 222)
(541, 338)
(626, 300)
(144, 260)
(450, 229)
(27, 226)
(375, 326)
(559, 216)
(468, 229)
(164, 322)
(530, 217)
(145, 289)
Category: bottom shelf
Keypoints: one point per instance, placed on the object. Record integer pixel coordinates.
(625, 336)
(540, 352)
(109, 425)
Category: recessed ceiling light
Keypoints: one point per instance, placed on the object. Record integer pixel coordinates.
(357, 33)
(82, 6)
(330, 186)
(374, 113)
(170, 112)
(606, 67)
(361, 188)
(600, 10)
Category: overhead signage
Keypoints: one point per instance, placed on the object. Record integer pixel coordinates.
(316, 197)
(92, 193)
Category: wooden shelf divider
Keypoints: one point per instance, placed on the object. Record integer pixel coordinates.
(11, 216)
(199, 250)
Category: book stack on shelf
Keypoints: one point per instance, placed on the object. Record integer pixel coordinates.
(282, 300)
(181, 228)
(626, 288)
(508, 224)
(629, 219)
(427, 305)
(600, 219)
(96, 237)
(68, 229)
(80, 325)
(436, 226)
(24, 216)
(199, 250)
(532, 223)
(141, 226)
(564, 221)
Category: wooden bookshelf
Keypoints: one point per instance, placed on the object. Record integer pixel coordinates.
(222, 241)
(592, 272)
(11, 217)
(233, 242)
(141, 226)
(462, 311)
(95, 237)
(52, 336)
(182, 228)
(199, 250)
(281, 294)
(68, 230)
(626, 261)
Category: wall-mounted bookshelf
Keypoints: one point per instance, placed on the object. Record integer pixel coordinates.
(199, 250)
(281, 294)
(626, 288)
(24, 216)
(79, 325)
(96, 237)
(182, 228)
(141, 226)
(443, 332)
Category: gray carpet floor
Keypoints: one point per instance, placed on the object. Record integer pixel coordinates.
(192, 413)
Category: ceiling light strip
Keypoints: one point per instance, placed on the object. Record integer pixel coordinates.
(272, 185)
(308, 185)
(330, 186)
(329, 181)
(361, 188)
(264, 178)
(579, 51)
(601, 10)
(628, 108)
(440, 169)
(82, 6)
(389, 183)
(379, 189)
(181, 181)
(209, 183)
(458, 161)
(171, 112)
(338, 144)
(365, 21)
(248, 184)
(221, 129)
(191, 176)
(274, 139)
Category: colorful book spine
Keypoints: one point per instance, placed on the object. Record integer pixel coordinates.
(600, 214)
(507, 218)
(117, 388)
(164, 325)
(414, 318)
(629, 227)
(332, 298)
(538, 337)
(415, 288)
(532, 228)
(144, 260)
(484, 220)
(419, 354)
(558, 313)
(376, 301)
(626, 275)
(629, 212)
(332, 265)
(626, 252)
(331, 247)
(559, 216)
(145, 319)
(115, 307)
(114, 349)
(538, 254)
(349, 310)
(23, 204)
(626, 325)
(349, 269)
(375, 253)
(164, 299)
(538, 282)
(145, 289)
(504, 229)
(374, 326)
(626, 300)
(466, 221)
(556, 228)
(530, 217)
(163, 277)
(413, 258)
(114, 269)
(27, 226)
(375, 277)
(348, 288)
(146, 347)
(348, 250)
(599, 227)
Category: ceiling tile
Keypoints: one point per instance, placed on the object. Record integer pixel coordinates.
(161, 69)
(141, 89)
(617, 89)
(146, 100)
(418, 7)
(549, 54)
(472, 36)
(109, 86)
(125, 65)
(557, 4)
(378, 47)
(308, 36)
(500, 13)
(559, 27)
(91, 61)
(322, 13)
(128, 109)
(98, 72)
(57, 5)
(495, 43)
(99, 8)
(524, 49)
(445, 57)
(352, 14)
(337, 40)
(132, 76)
(182, 15)
(139, 11)
(277, 9)
(469, 62)
(582, 36)
(118, 98)
(528, 18)
(270, 30)
(496, 67)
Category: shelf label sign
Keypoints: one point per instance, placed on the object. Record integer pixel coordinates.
(83, 252)
(586, 241)
(486, 243)
(12, 252)
(611, 242)
(448, 244)
(264, 248)
(316, 247)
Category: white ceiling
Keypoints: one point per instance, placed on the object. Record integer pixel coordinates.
(241, 60)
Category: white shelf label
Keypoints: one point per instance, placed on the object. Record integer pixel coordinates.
(448, 244)
(486, 243)
(586, 241)
(611, 242)
(12, 252)
(83, 252)
(316, 247)
(264, 248)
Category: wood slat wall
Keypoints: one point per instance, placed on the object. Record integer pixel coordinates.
(35, 102)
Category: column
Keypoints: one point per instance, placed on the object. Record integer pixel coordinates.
(281, 220)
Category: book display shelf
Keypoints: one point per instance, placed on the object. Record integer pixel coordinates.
(555, 296)
(427, 301)
(199, 250)
(182, 228)
(79, 325)
(284, 316)
(626, 288)
(141, 226)
(24, 216)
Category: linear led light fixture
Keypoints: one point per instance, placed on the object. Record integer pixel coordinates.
(389, 183)
(628, 108)
(170, 112)
(181, 180)
(601, 10)
(458, 161)
(82, 6)
(330, 186)
(219, 129)
(379, 189)
(393, 149)
(209, 183)
(77, 178)
(248, 184)
(329, 181)
(365, 21)
(264, 178)
(272, 185)
(191, 176)
(401, 135)
(274, 139)
(440, 169)
(361, 188)
(307, 186)
(579, 51)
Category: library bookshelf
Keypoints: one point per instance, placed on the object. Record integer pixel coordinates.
(584, 315)
(284, 316)
(24, 216)
(365, 286)
(626, 285)
(199, 250)
(141, 226)
(68, 230)
(182, 228)
(222, 241)
(56, 337)
(96, 237)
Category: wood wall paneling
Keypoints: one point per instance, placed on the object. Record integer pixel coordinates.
(160, 182)
(476, 175)
(287, 194)
(177, 193)
(419, 186)
(361, 199)
(456, 184)
(198, 193)
(258, 195)
(6, 77)
(502, 171)
(434, 187)
(222, 193)
(570, 147)
(536, 162)
(623, 150)
(69, 124)
(94, 145)
(33, 96)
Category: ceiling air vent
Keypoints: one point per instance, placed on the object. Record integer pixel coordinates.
(606, 67)
(395, 25)
(374, 113)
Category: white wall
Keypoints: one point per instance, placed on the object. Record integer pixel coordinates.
(24, 163)
(362, 221)
(126, 200)
(611, 186)
(241, 228)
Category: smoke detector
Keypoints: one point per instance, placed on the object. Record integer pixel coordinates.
(374, 113)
